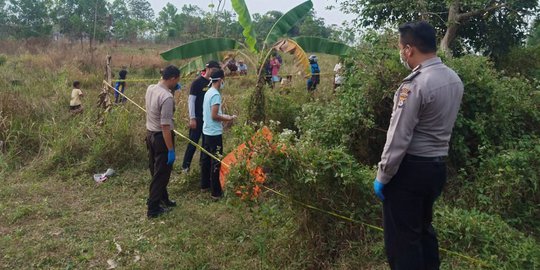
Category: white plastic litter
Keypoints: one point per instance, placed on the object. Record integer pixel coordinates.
(102, 177)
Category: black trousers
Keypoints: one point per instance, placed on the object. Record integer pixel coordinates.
(194, 135)
(159, 170)
(409, 237)
(209, 166)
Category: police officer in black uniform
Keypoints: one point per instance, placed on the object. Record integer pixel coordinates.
(412, 170)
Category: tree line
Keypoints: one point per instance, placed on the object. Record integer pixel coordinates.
(135, 20)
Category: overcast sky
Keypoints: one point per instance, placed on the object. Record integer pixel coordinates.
(262, 6)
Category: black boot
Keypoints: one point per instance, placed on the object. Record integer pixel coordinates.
(154, 210)
(168, 203)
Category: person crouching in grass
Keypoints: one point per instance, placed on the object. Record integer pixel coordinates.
(75, 104)
(213, 119)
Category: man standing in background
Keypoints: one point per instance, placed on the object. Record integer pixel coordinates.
(195, 102)
(412, 170)
(120, 86)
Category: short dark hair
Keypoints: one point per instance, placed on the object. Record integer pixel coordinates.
(122, 74)
(420, 35)
(216, 74)
(76, 84)
(212, 64)
(170, 72)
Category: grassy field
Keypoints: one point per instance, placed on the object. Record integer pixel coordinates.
(53, 215)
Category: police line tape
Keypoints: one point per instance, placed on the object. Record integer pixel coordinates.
(233, 77)
(308, 206)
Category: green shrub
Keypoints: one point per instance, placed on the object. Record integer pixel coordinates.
(327, 178)
(118, 144)
(360, 114)
(495, 110)
(486, 236)
(3, 59)
(282, 108)
(506, 183)
(522, 61)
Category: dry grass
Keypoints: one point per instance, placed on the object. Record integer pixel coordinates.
(53, 215)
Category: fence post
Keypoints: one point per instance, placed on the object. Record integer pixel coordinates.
(104, 99)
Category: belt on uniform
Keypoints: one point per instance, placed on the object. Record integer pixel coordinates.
(153, 133)
(410, 157)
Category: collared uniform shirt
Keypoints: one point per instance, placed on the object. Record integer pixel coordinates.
(159, 107)
(425, 109)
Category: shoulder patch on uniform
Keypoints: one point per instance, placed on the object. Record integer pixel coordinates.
(411, 76)
(403, 95)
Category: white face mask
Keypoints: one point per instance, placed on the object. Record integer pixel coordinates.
(403, 61)
(222, 85)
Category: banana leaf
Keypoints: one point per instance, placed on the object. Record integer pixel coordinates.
(192, 66)
(217, 56)
(322, 45)
(287, 21)
(199, 63)
(199, 48)
(245, 21)
(291, 47)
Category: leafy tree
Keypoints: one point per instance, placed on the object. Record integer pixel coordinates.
(490, 27)
(3, 19)
(534, 36)
(192, 19)
(82, 19)
(228, 26)
(342, 34)
(168, 22)
(263, 23)
(121, 27)
(142, 15)
(29, 18)
(313, 26)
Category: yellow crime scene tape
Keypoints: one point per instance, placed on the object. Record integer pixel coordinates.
(334, 214)
(230, 77)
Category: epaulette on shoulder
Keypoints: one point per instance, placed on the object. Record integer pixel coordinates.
(411, 76)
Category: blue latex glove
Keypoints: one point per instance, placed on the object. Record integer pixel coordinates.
(171, 156)
(378, 188)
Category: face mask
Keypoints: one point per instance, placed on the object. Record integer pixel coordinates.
(403, 61)
(222, 85)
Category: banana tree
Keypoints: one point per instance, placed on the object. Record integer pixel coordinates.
(214, 48)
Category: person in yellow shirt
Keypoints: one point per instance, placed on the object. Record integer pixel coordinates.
(75, 105)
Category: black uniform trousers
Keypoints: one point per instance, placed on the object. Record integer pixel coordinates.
(194, 135)
(209, 166)
(409, 237)
(159, 170)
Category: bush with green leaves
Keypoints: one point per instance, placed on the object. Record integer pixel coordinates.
(283, 108)
(360, 114)
(506, 183)
(522, 61)
(495, 111)
(3, 59)
(326, 178)
(487, 237)
(493, 151)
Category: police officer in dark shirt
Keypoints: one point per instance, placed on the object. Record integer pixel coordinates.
(412, 170)
(195, 101)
